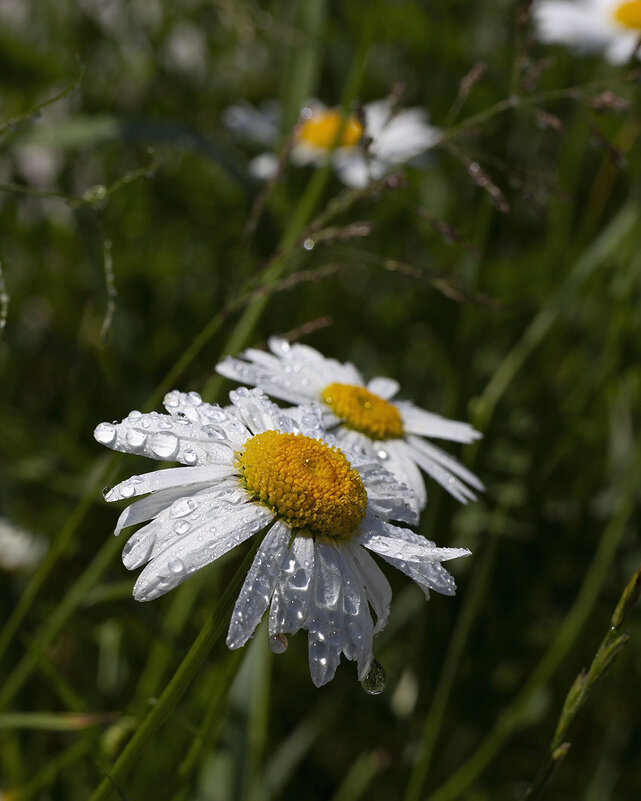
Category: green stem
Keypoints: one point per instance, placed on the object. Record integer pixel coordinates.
(182, 678)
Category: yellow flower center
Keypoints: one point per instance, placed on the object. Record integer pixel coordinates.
(360, 409)
(629, 14)
(321, 130)
(308, 483)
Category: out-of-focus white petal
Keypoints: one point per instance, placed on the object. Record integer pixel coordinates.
(264, 166)
(259, 584)
(427, 424)
(255, 124)
(401, 464)
(439, 473)
(384, 387)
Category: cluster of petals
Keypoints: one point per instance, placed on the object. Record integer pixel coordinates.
(611, 27)
(387, 138)
(195, 513)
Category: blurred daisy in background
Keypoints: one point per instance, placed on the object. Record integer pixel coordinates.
(607, 26)
(361, 147)
(252, 467)
(362, 416)
(20, 550)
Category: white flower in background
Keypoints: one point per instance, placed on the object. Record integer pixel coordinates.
(250, 467)
(591, 25)
(361, 416)
(370, 144)
(19, 549)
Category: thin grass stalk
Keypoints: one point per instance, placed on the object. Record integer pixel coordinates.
(515, 714)
(209, 635)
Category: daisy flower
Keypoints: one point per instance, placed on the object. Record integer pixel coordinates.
(362, 416)
(252, 467)
(19, 549)
(610, 26)
(371, 143)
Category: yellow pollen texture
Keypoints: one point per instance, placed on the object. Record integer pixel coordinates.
(629, 14)
(364, 411)
(321, 130)
(306, 482)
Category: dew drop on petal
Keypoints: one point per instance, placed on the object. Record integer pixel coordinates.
(182, 527)
(176, 566)
(375, 681)
(182, 507)
(382, 454)
(194, 398)
(164, 445)
(135, 437)
(278, 643)
(105, 433)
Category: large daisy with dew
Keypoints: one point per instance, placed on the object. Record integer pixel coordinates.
(362, 416)
(361, 147)
(609, 26)
(321, 510)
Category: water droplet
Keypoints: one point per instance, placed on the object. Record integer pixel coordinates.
(135, 438)
(172, 399)
(176, 566)
(106, 491)
(375, 681)
(105, 433)
(308, 244)
(135, 415)
(194, 398)
(182, 507)
(126, 490)
(164, 445)
(189, 457)
(278, 643)
(182, 527)
(382, 454)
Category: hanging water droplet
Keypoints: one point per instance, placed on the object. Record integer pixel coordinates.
(106, 491)
(105, 433)
(375, 681)
(164, 445)
(278, 643)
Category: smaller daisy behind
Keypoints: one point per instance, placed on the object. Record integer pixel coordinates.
(361, 416)
(252, 468)
(609, 26)
(370, 144)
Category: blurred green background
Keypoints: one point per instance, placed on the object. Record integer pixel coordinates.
(123, 214)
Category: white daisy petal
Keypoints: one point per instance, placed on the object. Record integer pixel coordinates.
(167, 479)
(259, 584)
(290, 600)
(447, 461)
(457, 489)
(384, 387)
(325, 620)
(357, 621)
(256, 412)
(165, 437)
(399, 461)
(188, 515)
(379, 592)
(427, 424)
(174, 564)
(146, 508)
